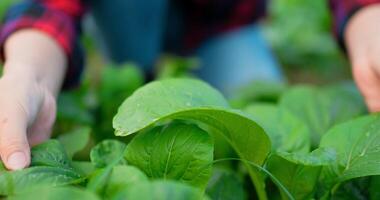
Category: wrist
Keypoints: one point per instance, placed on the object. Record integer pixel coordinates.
(20, 72)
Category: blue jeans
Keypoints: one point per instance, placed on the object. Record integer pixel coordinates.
(134, 31)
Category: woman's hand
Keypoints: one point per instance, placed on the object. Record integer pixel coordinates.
(362, 37)
(33, 72)
(27, 113)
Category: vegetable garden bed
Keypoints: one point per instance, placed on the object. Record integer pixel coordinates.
(186, 141)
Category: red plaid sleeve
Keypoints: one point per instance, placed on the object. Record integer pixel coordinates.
(342, 11)
(58, 18)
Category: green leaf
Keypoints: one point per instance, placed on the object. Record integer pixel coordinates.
(179, 151)
(18, 181)
(160, 190)
(357, 143)
(299, 172)
(287, 133)
(107, 152)
(227, 185)
(50, 153)
(196, 101)
(75, 141)
(54, 193)
(320, 109)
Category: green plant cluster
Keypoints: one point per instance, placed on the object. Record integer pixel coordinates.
(184, 140)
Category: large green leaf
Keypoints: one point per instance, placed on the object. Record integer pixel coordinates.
(17, 181)
(320, 109)
(107, 152)
(299, 172)
(54, 193)
(160, 190)
(357, 144)
(75, 141)
(179, 151)
(227, 185)
(50, 153)
(194, 100)
(287, 133)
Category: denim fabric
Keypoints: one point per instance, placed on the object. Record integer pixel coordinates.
(141, 30)
(234, 59)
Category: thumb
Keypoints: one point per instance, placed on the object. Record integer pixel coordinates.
(14, 147)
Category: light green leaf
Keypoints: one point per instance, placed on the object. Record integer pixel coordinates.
(357, 143)
(75, 141)
(179, 151)
(227, 185)
(196, 101)
(299, 172)
(54, 193)
(50, 153)
(160, 190)
(18, 181)
(287, 133)
(108, 152)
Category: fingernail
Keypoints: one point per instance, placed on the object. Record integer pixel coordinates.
(16, 161)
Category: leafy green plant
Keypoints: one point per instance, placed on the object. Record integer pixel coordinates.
(310, 143)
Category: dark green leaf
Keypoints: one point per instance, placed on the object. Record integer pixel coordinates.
(50, 153)
(17, 181)
(179, 151)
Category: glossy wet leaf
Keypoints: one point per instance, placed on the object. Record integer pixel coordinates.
(181, 152)
(195, 101)
(357, 143)
(75, 141)
(55, 193)
(160, 190)
(107, 152)
(299, 172)
(287, 132)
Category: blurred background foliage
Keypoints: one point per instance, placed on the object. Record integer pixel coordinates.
(299, 31)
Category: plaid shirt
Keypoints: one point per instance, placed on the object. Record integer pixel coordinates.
(204, 18)
(342, 11)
